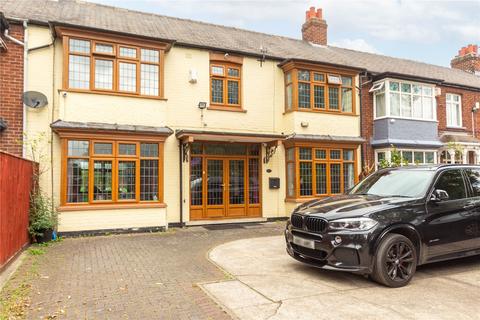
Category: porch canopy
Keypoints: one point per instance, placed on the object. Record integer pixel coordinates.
(61, 126)
(187, 135)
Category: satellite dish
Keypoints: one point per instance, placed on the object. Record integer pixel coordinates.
(34, 99)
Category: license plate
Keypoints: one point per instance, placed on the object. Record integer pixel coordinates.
(304, 242)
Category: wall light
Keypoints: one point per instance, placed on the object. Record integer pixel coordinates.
(202, 105)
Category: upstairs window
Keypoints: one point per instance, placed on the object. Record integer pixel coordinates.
(454, 110)
(118, 66)
(317, 90)
(225, 84)
(402, 99)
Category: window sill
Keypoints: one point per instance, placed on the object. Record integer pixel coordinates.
(120, 94)
(456, 128)
(322, 112)
(226, 108)
(403, 118)
(85, 207)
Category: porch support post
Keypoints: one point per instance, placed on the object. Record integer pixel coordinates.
(464, 156)
(451, 152)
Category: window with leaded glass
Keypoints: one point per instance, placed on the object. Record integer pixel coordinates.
(118, 68)
(110, 171)
(318, 91)
(225, 84)
(319, 171)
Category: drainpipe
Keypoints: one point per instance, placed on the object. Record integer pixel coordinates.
(180, 164)
(25, 76)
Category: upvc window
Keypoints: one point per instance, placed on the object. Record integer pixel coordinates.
(394, 98)
(454, 110)
(225, 84)
(111, 172)
(412, 156)
(110, 67)
(311, 88)
(319, 170)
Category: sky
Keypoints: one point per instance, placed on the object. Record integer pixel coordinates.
(431, 31)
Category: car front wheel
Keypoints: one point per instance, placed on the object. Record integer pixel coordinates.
(395, 261)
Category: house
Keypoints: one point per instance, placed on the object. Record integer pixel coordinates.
(428, 114)
(165, 121)
(11, 85)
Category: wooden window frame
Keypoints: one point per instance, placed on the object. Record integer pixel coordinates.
(314, 160)
(115, 157)
(294, 67)
(246, 157)
(226, 62)
(116, 41)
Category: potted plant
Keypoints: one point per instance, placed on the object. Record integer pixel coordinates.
(43, 218)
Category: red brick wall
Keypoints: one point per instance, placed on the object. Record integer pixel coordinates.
(468, 101)
(470, 63)
(11, 89)
(315, 31)
(366, 110)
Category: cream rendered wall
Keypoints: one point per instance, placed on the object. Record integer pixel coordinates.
(262, 98)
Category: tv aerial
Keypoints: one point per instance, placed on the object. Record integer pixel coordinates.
(34, 99)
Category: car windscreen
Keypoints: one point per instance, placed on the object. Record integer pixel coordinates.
(400, 183)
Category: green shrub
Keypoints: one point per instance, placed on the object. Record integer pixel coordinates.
(43, 215)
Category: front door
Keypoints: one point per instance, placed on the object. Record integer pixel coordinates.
(225, 186)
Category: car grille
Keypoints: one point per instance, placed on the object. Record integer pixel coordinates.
(312, 224)
(311, 253)
(297, 221)
(315, 224)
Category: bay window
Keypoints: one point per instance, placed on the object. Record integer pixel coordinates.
(454, 110)
(311, 88)
(395, 98)
(110, 64)
(319, 170)
(106, 171)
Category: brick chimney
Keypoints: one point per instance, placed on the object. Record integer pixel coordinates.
(315, 28)
(467, 59)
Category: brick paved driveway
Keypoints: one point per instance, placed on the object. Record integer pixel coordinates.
(139, 276)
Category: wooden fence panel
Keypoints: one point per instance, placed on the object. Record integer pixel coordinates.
(16, 178)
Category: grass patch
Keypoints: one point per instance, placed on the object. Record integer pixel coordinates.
(36, 251)
(15, 295)
(14, 298)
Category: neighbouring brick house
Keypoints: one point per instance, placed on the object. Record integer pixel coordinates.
(162, 121)
(11, 89)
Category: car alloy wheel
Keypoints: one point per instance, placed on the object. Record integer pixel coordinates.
(399, 261)
(395, 261)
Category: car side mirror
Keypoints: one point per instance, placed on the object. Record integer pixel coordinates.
(439, 195)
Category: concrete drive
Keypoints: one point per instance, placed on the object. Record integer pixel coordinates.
(269, 284)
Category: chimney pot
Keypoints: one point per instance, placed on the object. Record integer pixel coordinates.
(467, 60)
(315, 28)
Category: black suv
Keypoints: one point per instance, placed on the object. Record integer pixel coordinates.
(391, 222)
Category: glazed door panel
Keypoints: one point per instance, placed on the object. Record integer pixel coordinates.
(215, 188)
(236, 187)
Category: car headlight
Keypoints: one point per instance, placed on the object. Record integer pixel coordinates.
(353, 224)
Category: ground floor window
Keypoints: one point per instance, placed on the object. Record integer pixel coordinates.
(383, 157)
(111, 172)
(319, 170)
